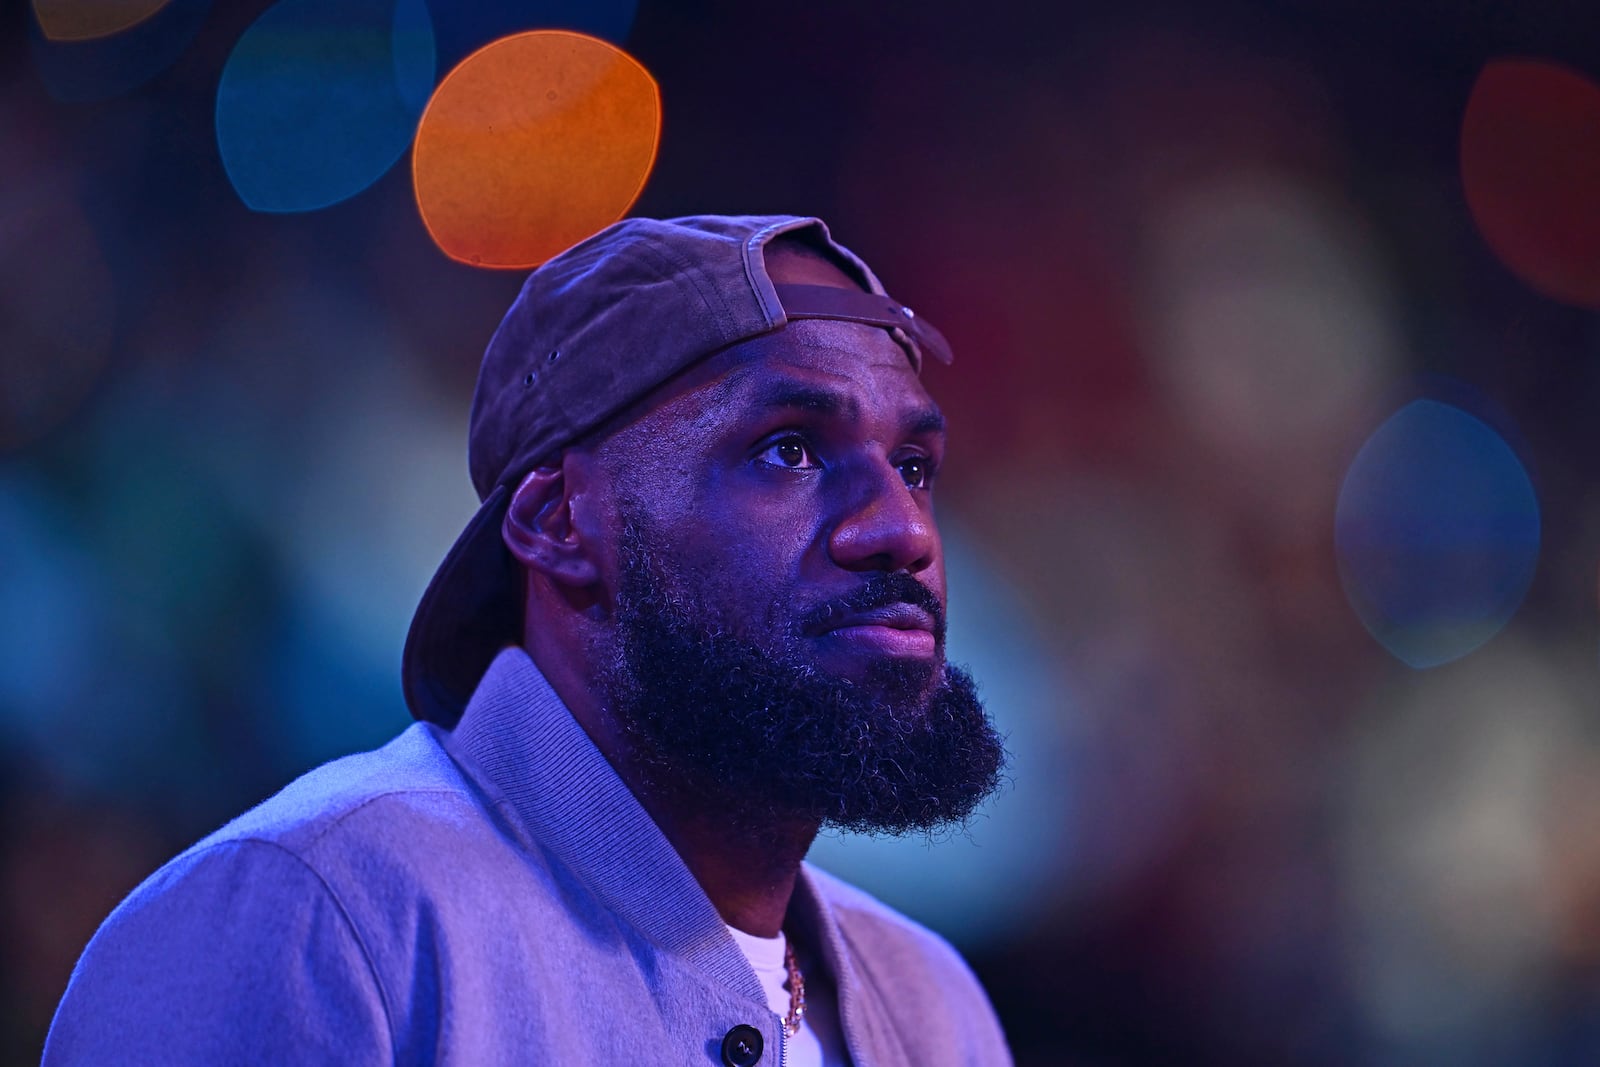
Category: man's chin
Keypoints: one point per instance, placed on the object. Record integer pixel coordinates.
(766, 740)
(891, 677)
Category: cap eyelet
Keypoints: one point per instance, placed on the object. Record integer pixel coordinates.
(552, 356)
(529, 379)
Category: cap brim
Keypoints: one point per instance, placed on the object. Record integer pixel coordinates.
(469, 612)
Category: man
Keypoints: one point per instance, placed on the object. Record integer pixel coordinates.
(699, 615)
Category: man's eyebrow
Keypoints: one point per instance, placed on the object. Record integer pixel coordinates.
(924, 421)
(790, 394)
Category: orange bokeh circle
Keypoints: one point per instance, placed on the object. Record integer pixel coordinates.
(532, 144)
(87, 20)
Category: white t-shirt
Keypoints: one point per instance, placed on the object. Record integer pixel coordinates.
(819, 1042)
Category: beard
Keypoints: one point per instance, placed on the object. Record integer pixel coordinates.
(764, 736)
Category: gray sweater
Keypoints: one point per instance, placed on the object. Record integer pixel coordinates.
(495, 895)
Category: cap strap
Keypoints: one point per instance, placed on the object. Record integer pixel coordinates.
(854, 305)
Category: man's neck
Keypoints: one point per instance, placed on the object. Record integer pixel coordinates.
(749, 878)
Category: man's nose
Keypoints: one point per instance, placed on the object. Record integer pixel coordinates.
(885, 526)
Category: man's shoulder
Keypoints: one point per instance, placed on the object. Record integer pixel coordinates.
(410, 779)
(371, 824)
(220, 937)
(914, 975)
(877, 931)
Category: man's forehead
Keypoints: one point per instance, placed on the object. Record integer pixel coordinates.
(846, 357)
(846, 347)
(788, 262)
(826, 368)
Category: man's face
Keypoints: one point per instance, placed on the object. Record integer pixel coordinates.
(780, 590)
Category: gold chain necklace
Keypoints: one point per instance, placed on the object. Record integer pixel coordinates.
(797, 992)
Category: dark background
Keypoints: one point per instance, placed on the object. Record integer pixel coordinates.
(1190, 258)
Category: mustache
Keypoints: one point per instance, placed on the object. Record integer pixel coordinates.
(879, 591)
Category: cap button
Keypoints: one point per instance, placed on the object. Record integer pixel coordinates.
(742, 1046)
(908, 313)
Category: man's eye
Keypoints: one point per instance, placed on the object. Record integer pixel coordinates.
(917, 472)
(791, 452)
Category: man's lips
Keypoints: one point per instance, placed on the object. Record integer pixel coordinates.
(895, 629)
(900, 616)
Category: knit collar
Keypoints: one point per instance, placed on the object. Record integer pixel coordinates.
(558, 792)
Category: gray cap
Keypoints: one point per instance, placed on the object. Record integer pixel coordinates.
(594, 330)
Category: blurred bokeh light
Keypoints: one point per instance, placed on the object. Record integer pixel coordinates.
(533, 144)
(89, 67)
(463, 28)
(1460, 852)
(1437, 532)
(1530, 167)
(57, 302)
(82, 20)
(1269, 317)
(321, 97)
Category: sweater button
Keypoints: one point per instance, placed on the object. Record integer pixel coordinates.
(742, 1046)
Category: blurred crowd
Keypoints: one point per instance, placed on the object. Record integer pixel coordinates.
(1199, 266)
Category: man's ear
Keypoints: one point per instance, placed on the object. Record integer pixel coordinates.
(540, 532)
